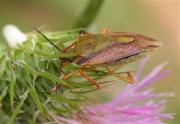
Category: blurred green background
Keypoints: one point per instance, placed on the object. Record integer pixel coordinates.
(158, 19)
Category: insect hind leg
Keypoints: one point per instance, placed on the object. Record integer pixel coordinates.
(129, 79)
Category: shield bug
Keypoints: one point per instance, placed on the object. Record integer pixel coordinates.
(108, 49)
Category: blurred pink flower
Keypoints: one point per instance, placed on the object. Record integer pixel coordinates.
(133, 105)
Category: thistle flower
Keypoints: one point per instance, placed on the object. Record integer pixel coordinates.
(133, 104)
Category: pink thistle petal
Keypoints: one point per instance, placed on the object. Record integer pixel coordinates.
(133, 105)
(149, 80)
(139, 71)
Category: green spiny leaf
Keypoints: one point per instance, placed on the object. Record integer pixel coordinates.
(3, 93)
(11, 90)
(18, 108)
(37, 101)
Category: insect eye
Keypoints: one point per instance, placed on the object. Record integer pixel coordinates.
(82, 32)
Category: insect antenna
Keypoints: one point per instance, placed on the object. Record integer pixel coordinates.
(47, 39)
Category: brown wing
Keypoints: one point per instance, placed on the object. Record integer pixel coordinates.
(110, 54)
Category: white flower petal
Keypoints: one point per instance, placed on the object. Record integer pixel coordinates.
(13, 35)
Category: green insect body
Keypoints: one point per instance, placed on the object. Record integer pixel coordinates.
(113, 48)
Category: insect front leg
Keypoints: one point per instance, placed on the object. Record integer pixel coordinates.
(69, 47)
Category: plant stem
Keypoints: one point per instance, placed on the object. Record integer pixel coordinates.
(89, 14)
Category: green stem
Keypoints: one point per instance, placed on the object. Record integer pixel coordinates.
(89, 14)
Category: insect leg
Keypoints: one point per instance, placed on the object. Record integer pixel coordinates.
(84, 75)
(118, 67)
(69, 47)
(74, 73)
(88, 78)
(128, 79)
(70, 75)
